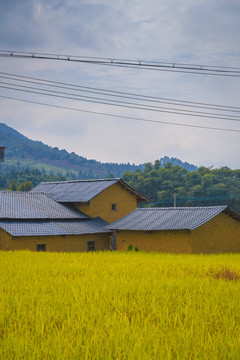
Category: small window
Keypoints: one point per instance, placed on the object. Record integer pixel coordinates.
(41, 247)
(91, 246)
(114, 207)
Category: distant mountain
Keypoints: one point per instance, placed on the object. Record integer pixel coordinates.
(22, 152)
(174, 161)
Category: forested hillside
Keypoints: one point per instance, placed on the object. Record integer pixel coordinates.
(29, 162)
(24, 180)
(205, 186)
(22, 152)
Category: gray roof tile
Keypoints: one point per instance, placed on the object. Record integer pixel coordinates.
(184, 218)
(91, 226)
(49, 228)
(26, 205)
(74, 191)
(81, 190)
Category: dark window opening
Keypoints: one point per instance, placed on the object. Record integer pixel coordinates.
(91, 246)
(114, 207)
(41, 247)
(114, 242)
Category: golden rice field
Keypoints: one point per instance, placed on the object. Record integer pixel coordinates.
(119, 306)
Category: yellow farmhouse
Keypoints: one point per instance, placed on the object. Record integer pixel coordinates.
(111, 199)
(186, 230)
(65, 216)
(94, 215)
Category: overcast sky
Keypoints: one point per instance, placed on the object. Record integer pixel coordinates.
(204, 32)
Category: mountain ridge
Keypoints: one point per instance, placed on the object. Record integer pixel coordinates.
(24, 152)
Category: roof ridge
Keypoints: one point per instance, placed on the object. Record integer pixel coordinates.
(76, 181)
(183, 207)
(24, 192)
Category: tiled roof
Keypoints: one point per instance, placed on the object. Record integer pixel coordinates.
(74, 191)
(178, 218)
(49, 228)
(81, 190)
(91, 226)
(26, 205)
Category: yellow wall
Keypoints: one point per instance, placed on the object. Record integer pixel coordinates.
(55, 243)
(221, 234)
(5, 240)
(101, 205)
(161, 241)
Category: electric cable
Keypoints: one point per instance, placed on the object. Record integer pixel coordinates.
(123, 105)
(113, 93)
(137, 64)
(122, 116)
(106, 101)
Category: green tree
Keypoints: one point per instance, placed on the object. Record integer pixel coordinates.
(157, 164)
(25, 186)
(148, 167)
(13, 186)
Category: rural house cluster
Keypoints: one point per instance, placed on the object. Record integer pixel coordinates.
(103, 214)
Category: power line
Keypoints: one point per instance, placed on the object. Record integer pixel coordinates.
(126, 63)
(115, 93)
(122, 116)
(105, 100)
(130, 105)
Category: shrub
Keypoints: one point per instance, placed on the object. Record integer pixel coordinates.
(132, 248)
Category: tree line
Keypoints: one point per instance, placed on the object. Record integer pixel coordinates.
(24, 180)
(18, 178)
(203, 187)
(161, 183)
